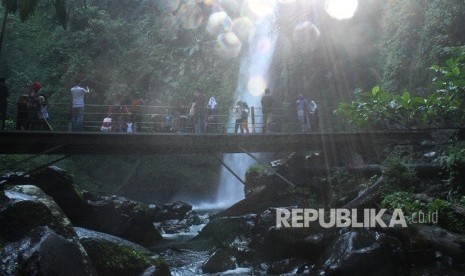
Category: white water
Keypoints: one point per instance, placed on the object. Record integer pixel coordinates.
(253, 78)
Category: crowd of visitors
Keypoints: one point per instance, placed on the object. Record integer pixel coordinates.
(128, 113)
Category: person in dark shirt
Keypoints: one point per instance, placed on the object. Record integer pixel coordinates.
(267, 105)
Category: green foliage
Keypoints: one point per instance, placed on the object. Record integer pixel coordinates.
(443, 106)
(398, 173)
(412, 208)
(453, 160)
(379, 108)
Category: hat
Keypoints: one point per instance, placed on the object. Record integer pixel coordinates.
(36, 86)
(41, 99)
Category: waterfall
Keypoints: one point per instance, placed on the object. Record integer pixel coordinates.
(253, 79)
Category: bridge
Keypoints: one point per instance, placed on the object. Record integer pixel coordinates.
(60, 142)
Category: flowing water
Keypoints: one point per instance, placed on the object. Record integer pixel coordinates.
(253, 79)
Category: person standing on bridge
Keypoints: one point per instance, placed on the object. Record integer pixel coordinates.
(267, 105)
(302, 110)
(3, 102)
(238, 115)
(77, 110)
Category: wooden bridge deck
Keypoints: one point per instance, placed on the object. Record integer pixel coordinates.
(16, 142)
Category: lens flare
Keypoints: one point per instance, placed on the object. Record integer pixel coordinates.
(257, 8)
(341, 9)
(284, 2)
(219, 22)
(231, 7)
(168, 5)
(208, 2)
(228, 45)
(256, 85)
(190, 15)
(244, 28)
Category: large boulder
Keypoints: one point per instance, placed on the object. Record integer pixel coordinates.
(59, 184)
(365, 252)
(114, 215)
(176, 210)
(219, 261)
(124, 218)
(36, 238)
(115, 256)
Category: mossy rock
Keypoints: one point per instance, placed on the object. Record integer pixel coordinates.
(115, 259)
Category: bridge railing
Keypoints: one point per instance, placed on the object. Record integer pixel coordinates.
(150, 119)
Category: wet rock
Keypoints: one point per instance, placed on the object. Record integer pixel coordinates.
(219, 261)
(282, 243)
(173, 227)
(225, 230)
(192, 218)
(36, 238)
(365, 252)
(115, 256)
(26, 207)
(174, 210)
(159, 270)
(114, 215)
(290, 266)
(124, 218)
(59, 184)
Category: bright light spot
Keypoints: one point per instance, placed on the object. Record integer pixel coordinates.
(244, 28)
(228, 45)
(260, 8)
(190, 15)
(256, 85)
(219, 22)
(283, 2)
(341, 9)
(208, 2)
(168, 5)
(305, 36)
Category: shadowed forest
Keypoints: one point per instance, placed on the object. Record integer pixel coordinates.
(166, 51)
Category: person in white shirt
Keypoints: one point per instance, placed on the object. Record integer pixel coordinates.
(77, 111)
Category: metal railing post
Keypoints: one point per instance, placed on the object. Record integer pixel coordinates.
(253, 118)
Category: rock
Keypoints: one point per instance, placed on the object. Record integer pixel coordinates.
(173, 227)
(36, 238)
(59, 184)
(115, 256)
(160, 270)
(226, 229)
(291, 266)
(192, 218)
(124, 218)
(219, 261)
(113, 215)
(281, 243)
(365, 252)
(27, 207)
(174, 210)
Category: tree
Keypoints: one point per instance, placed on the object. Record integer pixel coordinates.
(26, 9)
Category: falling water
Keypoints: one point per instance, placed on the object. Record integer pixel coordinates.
(253, 79)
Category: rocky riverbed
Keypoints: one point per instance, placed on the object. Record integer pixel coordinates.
(49, 227)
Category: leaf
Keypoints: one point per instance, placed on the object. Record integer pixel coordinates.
(405, 99)
(375, 90)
